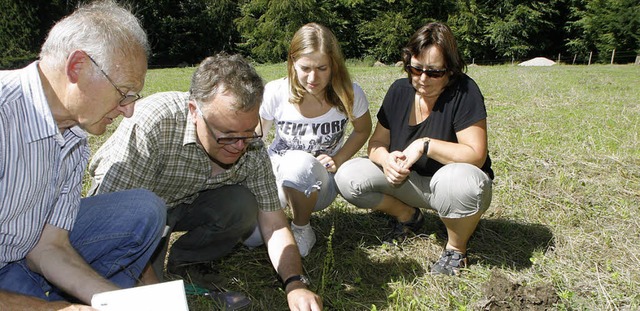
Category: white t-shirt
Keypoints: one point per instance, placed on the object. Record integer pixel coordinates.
(320, 135)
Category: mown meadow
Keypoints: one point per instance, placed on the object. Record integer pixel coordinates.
(562, 233)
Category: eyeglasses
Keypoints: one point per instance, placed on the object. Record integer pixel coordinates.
(431, 73)
(126, 99)
(230, 140)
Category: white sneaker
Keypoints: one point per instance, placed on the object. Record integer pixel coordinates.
(305, 238)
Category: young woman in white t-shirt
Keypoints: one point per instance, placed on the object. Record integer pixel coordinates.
(311, 109)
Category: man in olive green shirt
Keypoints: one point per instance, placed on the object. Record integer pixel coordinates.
(199, 152)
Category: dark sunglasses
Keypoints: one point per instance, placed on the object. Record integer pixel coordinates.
(431, 73)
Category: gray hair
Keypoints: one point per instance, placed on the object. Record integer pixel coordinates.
(103, 29)
(231, 73)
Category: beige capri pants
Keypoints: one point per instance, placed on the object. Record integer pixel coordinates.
(456, 190)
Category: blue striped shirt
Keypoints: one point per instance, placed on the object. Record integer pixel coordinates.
(41, 169)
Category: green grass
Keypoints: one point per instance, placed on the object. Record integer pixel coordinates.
(562, 231)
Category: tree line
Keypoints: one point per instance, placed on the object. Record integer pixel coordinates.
(489, 31)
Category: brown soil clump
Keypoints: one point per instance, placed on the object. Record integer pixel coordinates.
(503, 294)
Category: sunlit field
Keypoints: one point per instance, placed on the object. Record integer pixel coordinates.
(562, 232)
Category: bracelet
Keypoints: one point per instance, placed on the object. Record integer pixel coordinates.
(425, 147)
(298, 277)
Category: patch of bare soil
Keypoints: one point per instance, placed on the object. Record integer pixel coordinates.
(504, 294)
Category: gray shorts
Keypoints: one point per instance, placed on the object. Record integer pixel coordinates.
(456, 190)
(301, 171)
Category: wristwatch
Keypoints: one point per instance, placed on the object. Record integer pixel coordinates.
(425, 147)
(298, 277)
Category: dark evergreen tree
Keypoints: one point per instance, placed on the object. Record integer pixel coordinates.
(600, 26)
(19, 32)
(515, 27)
(267, 26)
(187, 31)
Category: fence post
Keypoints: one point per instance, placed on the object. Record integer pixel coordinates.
(574, 59)
(613, 54)
(590, 54)
(558, 58)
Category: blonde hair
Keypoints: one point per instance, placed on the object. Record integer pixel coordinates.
(312, 38)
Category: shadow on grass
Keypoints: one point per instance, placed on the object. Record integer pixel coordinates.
(351, 270)
(505, 243)
(357, 272)
(363, 272)
(498, 242)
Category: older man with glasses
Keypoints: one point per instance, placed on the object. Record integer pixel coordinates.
(125, 99)
(54, 246)
(198, 151)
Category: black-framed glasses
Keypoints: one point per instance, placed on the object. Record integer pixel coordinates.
(230, 140)
(431, 73)
(126, 99)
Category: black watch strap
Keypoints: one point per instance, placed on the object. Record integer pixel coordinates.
(425, 147)
(294, 278)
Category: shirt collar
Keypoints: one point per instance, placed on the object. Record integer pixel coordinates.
(43, 125)
(190, 134)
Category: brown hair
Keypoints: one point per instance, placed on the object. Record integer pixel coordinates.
(312, 38)
(441, 36)
(224, 72)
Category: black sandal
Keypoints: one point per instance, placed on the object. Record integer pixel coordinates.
(400, 231)
(450, 263)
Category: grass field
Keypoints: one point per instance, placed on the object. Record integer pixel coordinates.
(562, 232)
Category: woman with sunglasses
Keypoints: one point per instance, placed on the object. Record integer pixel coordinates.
(311, 109)
(428, 149)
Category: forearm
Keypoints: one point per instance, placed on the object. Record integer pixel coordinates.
(449, 152)
(378, 152)
(281, 246)
(55, 258)
(12, 301)
(285, 258)
(284, 254)
(68, 271)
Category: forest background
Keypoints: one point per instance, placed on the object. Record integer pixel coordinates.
(183, 32)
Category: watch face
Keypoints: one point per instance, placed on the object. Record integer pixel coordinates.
(304, 279)
(296, 278)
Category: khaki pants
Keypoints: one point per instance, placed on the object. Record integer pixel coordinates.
(456, 190)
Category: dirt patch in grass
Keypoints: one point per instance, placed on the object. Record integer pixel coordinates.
(504, 294)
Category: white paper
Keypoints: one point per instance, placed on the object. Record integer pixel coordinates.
(167, 296)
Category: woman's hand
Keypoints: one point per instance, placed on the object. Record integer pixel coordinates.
(413, 152)
(328, 163)
(395, 168)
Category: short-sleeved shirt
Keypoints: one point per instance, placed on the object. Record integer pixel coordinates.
(459, 106)
(320, 135)
(41, 169)
(157, 149)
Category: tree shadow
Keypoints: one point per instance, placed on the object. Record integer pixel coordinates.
(509, 243)
(340, 268)
(364, 270)
(496, 242)
(361, 271)
(351, 269)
